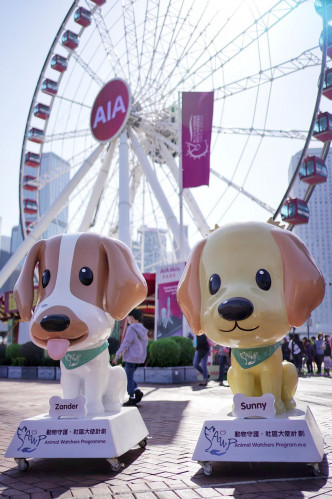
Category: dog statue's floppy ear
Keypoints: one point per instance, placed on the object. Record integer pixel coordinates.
(126, 287)
(23, 289)
(304, 285)
(188, 292)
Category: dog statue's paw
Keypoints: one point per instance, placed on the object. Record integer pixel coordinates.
(290, 404)
(113, 407)
(280, 406)
(95, 409)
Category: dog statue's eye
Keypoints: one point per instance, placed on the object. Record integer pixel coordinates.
(46, 278)
(214, 284)
(86, 276)
(263, 279)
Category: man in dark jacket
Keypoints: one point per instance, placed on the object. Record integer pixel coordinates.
(201, 357)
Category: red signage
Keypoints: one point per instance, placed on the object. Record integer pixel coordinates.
(110, 111)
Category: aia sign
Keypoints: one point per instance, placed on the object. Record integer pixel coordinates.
(110, 111)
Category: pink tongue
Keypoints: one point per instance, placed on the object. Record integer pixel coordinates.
(57, 348)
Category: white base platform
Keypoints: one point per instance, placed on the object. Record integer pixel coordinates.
(107, 436)
(290, 437)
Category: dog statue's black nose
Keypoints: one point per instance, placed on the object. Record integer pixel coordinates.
(55, 322)
(235, 309)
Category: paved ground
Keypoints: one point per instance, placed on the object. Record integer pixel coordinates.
(164, 469)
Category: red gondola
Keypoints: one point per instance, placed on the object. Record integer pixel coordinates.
(27, 225)
(83, 17)
(59, 63)
(313, 170)
(32, 159)
(30, 206)
(42, 111)
(295, 211)
(36, 135)
(329, 42)
(99, 2)
(70, 39)
(28, 183)
(327, 85)
(323, 127)
(49, 87)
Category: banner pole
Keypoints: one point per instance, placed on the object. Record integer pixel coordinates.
(181, 257)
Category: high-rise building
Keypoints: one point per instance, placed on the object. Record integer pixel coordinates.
(317, 235)
(16, 238)
(150, 248)
(50, 162)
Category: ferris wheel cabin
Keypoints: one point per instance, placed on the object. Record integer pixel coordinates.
(295, 211)
(30, 206)
(28, 183)
(329, 41)
(83, 17)
(70, 40)
(36, 135)
(59, 63)
(323, 127)
(327, 85)
(313, 170)
(41, 111)
(49, 87)
(27, 225)
(32, 159)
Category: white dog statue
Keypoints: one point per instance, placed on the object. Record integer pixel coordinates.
(86, 282)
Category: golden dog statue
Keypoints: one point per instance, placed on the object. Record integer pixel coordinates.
(245, 285)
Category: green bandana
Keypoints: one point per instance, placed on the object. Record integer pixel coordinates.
(250, 357)
(77, 358)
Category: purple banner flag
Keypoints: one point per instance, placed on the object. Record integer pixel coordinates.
(197, 113)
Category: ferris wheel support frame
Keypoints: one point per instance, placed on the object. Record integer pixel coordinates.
(158, 192)
(124, 199)
(48, 216)
(97, 189)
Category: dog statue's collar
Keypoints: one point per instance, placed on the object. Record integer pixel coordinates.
(77, 358)
(250, 357)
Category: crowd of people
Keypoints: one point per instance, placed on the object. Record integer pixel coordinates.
(309, 355)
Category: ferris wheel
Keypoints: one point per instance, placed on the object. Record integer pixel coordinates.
(255, 55)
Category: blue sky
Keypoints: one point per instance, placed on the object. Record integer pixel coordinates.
(27, 32)
(25, 38)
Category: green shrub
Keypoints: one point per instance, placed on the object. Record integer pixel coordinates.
(13, 351)
(165, 353)
(47, 361)
(187, 350)
(18, 361)
(2, 354)
(148, 354)
(33, 355)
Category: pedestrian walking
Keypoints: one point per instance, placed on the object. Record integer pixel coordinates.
(285, 349)
(327, 355)
(296, 349)
(309, 353)
(223, 358)
(319, 345)
(133, 351)
(201, 357)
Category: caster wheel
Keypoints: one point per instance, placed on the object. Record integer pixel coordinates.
(314, 469)
(115, 464)
(143, 443)
(23, 464)
(207, 467)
